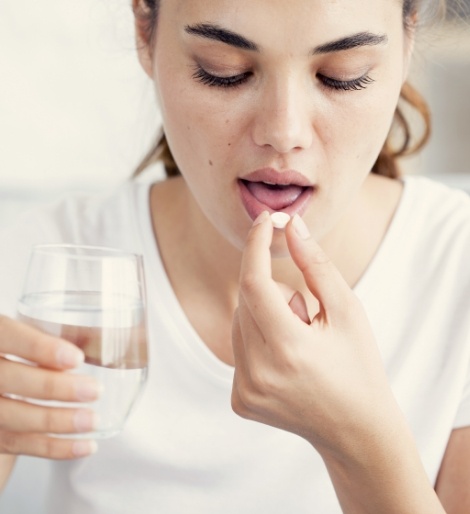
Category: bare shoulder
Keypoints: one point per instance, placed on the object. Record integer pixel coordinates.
(453, 481)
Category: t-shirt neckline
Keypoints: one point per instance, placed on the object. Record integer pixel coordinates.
(185, 335)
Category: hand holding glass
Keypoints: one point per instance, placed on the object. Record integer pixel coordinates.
(94, 298)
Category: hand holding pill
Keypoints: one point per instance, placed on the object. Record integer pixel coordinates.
(293, 373)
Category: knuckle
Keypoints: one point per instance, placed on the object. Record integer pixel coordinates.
(259, 380)
(316, 260)
(39, 345)
(243, 397)
(238, 406)
(320, 257)
(50, 388)
(263, 383)
(50, 420)
(249, 283)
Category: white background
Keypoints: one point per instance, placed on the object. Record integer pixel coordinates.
(75, 107)
(77, 112)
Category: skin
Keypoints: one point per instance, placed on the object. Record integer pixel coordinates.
(261, 286)
(281, 117)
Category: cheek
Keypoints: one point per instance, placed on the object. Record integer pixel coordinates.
(199, 127)
(362, 126)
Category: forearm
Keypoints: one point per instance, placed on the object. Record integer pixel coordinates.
(385, 475)
(7, 463)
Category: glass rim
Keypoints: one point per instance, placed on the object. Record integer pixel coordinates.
(99, 251)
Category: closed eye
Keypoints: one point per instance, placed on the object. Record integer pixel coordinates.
(208, 79)
(345, 85)
(232, 81)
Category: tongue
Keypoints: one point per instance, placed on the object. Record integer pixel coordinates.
(273, 196)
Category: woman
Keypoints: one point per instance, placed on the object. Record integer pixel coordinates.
(268, 106)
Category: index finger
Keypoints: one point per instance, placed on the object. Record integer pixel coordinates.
(31, 344)
(260, 292)
(322, 277)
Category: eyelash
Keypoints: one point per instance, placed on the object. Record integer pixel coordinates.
(202, 76)
(346, 85)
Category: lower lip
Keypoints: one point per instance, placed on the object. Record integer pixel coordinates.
(254, 207)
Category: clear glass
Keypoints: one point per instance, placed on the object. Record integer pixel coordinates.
(95, 298)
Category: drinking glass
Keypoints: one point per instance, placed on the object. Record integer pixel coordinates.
(95, 298)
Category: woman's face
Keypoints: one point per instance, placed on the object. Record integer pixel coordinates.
(276, 105)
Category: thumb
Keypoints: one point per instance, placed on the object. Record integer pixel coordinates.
(322, 277)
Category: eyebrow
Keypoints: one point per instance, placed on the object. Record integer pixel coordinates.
(217, 33)
(210, 31)
(349, 42)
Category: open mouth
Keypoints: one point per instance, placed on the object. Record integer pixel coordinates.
(274, 196)
(259, 196)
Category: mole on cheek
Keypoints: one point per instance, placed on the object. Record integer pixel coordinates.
(211, 163)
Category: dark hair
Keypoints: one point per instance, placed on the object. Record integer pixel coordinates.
(400, 141)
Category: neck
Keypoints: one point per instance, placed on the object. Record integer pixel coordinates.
(203, 267)
(195, 255)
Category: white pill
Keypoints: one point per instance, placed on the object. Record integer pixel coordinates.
(280, 219)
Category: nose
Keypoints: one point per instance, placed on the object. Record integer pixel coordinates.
(282, 118)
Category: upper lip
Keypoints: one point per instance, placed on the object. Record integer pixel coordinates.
(280, 178)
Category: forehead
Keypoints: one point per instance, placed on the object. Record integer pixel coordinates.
(281, 20)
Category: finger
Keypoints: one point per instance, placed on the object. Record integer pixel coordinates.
(22, 416)
(260, 292)
(322, 277)
(38, 445)
(33, 345)
(25, 380)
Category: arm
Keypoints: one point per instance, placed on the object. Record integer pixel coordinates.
(453, 481)
(324, 379)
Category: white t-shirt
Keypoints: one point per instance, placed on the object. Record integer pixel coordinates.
(184, 450)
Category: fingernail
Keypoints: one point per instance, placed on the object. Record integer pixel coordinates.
(85, 420)
(261, 218)
(300, 227)
(84, 448)
(88, 390)
(69, 356)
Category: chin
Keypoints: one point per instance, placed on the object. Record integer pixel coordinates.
(279, 249)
